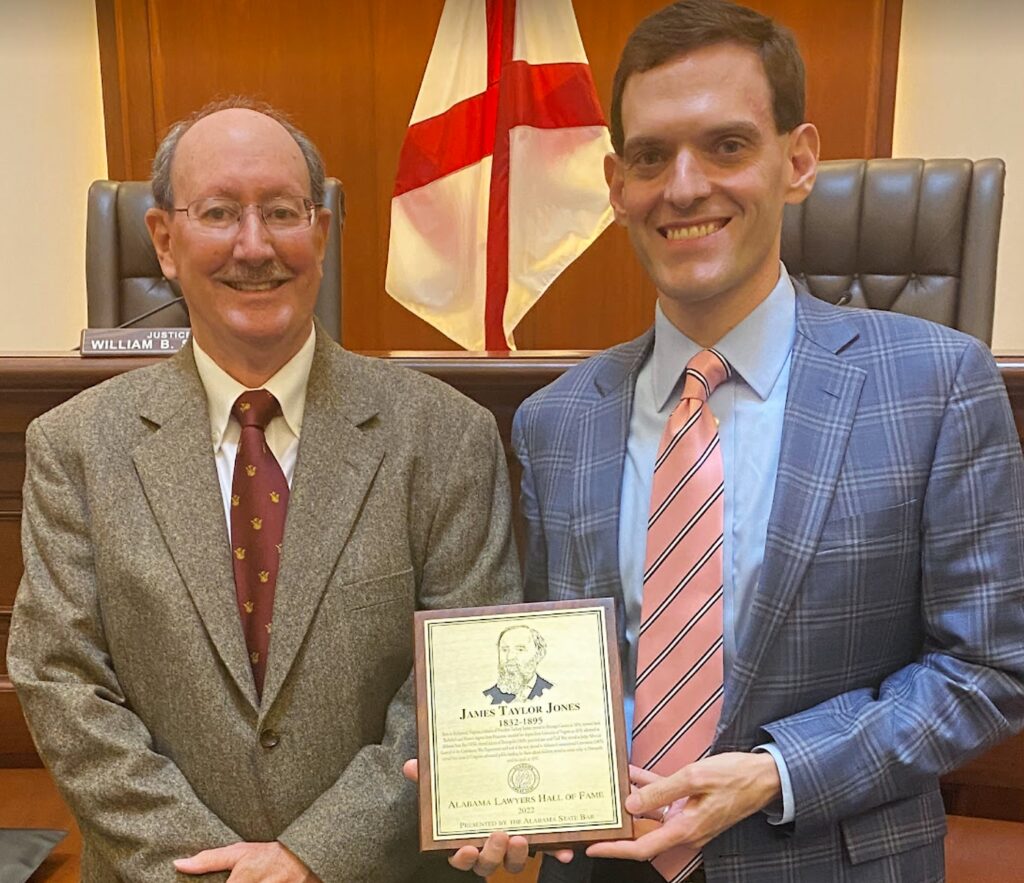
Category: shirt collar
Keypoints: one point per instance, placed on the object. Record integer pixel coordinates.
(756, 349)
(288, 386)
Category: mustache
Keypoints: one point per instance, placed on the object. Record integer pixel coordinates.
(259, 274)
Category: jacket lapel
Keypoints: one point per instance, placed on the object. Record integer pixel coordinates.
(336, 466)
(824, 392)
(597, 473)
(176, 468)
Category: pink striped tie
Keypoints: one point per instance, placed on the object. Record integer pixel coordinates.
(679, 654)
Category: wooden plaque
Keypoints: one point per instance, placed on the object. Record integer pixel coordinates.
(520, 724)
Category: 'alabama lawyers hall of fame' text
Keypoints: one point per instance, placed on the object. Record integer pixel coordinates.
(520, 724)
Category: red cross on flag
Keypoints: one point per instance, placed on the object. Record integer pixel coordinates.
(500, 182)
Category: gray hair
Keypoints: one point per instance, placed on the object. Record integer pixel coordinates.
(161, 181)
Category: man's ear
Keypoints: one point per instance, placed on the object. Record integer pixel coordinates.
(804, 145)
(614, 176)
(158, 224)
(323, 224)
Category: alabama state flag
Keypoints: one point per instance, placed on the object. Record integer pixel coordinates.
(500, 182)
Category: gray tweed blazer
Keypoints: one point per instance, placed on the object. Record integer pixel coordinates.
(126, 647)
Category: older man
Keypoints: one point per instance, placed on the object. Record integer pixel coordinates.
(811, 517)
(520, 650)
(212, 640)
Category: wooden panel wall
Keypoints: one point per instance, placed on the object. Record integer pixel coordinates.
(348, 72)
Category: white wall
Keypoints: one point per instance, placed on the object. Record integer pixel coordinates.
(960, 92)
(51, 148)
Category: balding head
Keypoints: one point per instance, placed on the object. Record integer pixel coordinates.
(222, 150)
(163, 161)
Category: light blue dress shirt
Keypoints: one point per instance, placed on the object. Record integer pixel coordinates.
(750, 409)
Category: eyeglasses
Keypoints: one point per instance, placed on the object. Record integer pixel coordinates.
(280, 214)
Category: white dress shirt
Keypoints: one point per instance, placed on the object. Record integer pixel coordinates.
(288, 386)
(750, 408)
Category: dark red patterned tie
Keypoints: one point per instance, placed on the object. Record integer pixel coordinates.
(259, 502)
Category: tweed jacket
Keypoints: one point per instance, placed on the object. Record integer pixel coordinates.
(126, 647)
(884, 644)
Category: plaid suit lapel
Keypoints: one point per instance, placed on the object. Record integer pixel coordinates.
(597, 472)
(824, 392)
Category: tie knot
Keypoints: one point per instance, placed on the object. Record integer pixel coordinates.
(256, 407)
(704, 372)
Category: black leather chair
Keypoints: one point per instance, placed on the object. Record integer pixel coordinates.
(910, 235)
(123, 278)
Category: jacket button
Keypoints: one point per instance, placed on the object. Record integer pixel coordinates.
(269, 739)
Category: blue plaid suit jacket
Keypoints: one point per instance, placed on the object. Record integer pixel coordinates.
(885, 642)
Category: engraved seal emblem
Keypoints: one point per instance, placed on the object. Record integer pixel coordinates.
(523, 778)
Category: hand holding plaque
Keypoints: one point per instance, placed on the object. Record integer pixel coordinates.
(520, 725)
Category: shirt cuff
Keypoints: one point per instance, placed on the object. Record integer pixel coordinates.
(788, 808)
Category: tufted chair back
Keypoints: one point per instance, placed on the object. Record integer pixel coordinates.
(123, 277)
(915, 236)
